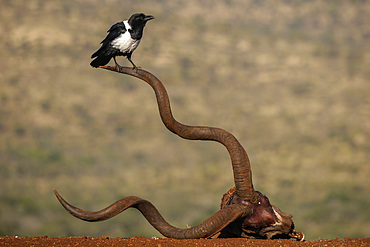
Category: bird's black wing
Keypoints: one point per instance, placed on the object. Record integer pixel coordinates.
(115, 31)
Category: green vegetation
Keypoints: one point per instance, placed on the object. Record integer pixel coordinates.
(289, 79)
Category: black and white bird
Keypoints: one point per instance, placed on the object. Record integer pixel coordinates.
(122, 39)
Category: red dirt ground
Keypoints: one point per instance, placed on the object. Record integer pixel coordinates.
(164, 242)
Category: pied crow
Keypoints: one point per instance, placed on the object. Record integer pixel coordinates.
(122, 39)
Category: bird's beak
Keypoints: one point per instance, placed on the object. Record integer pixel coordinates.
(148, 18)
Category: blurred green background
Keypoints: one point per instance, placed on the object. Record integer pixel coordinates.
(289, 79)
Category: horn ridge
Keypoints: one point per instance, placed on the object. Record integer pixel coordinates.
(239, 158)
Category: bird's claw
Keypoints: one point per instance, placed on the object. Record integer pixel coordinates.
(118, 68)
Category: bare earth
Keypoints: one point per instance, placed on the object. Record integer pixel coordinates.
(163, 242)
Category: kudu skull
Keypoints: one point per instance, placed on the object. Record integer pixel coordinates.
(244, 212)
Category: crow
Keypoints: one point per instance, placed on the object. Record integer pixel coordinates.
(122, 39)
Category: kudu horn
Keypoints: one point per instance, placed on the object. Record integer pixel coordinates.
(244, 212)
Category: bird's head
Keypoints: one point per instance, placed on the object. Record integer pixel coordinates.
(139, 19)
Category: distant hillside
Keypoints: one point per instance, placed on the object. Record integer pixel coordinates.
(289, 80)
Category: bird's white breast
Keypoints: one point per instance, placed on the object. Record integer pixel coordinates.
(124, 42)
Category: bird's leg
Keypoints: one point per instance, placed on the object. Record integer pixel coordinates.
(118, 67)
(129, 58)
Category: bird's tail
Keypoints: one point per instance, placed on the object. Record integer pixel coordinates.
(100, 61)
